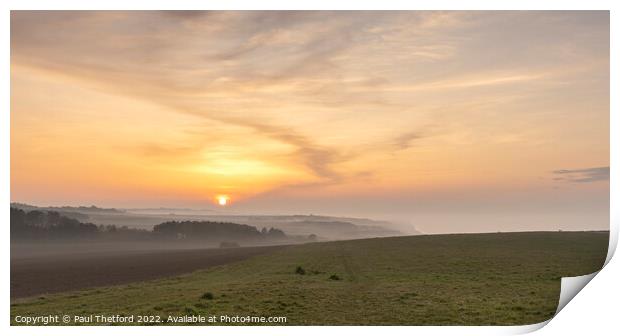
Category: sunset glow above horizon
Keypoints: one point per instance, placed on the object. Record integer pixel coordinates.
(385, 114)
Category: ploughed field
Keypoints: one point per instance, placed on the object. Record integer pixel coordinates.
(60, 272)
(466, 279)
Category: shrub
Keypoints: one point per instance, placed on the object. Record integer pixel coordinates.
(334, 277)
(300, 270)
(207, 296)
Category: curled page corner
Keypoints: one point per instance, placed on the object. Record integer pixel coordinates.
(570, 286)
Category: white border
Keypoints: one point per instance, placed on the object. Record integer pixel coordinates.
(593, 309)
(317, 4)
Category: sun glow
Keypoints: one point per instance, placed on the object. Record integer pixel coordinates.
(222, 200)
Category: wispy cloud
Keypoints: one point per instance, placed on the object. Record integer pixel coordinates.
(331, 89)
(404, 141)
(582, 175)
(464, 83)
(145, 63)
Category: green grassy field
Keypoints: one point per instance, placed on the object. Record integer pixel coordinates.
(474, 279)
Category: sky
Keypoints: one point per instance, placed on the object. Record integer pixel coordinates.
(458, 121)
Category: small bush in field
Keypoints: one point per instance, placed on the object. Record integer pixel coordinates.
(207, 296)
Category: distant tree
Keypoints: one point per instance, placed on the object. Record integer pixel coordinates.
(275, 233)
(206, 230)
(38, 225)
(53, 225)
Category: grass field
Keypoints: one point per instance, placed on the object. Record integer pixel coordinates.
(473, 279)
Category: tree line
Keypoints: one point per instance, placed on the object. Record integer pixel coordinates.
(51, 225)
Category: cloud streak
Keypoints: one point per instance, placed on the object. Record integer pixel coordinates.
(586, 175)
(405, 141)
(306, 45)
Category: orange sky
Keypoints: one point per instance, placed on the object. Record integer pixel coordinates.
(336, 112)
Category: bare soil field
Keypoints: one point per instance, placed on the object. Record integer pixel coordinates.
(38, 274)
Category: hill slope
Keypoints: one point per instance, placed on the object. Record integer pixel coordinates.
(474, 279)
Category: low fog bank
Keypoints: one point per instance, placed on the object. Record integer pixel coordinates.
(41, 232)
(320, 227)
(97, 231)
(510, 221)
(35, 250)
(91, 231)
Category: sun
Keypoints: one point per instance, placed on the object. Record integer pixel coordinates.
(222, 200)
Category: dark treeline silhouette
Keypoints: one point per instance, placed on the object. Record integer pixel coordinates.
(51, 225)
(215, 230)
